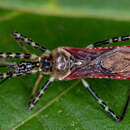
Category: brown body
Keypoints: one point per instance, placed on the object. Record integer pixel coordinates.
(71, 63)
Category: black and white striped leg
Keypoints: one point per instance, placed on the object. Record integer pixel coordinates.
(18, 36)
(112, 40)
(9, 75)
(105, 107)
(17, 55)
(16, 74)
(39, 95)
(1, 82)
(5, 76)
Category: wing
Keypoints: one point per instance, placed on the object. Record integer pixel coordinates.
(108, 62)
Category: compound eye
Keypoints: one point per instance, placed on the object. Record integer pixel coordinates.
(46, 60)
(46, 65)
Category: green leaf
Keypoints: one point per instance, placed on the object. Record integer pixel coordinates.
(117, 9)
(66, 104)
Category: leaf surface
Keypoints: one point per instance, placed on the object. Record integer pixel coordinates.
(117, 9)
(66, 104)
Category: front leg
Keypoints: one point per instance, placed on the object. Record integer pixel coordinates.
(39, 95)
(112, 40)
(19, 36)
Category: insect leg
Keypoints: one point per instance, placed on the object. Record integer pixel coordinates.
(6, 76)
(28, 41)
(21, 45)
(105, 107)
(6, 63)
(11, 74)
(112, 40)
(36, 86)
(17, 55)
(125, 108)
(1, 82)
(39, 95)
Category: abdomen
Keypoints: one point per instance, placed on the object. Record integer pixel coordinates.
(108, 62)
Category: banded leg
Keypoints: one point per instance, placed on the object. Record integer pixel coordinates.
(39, 95)
(28, 41)
(9, 75)
(17, 55)
(16, 74)
(35, 86)
(1, 82)
(4, 64)
(112, 40)
(105, 107)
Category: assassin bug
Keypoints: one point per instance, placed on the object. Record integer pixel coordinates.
(66, 63)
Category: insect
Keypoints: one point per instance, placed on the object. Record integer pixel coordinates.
(66, 63)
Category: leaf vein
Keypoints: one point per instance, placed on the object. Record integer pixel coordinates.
(46, 106)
